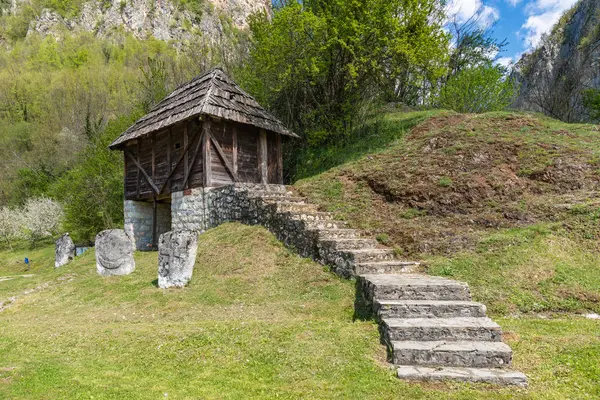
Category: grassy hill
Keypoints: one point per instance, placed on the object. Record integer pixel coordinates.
(257, 321)
(507, 202)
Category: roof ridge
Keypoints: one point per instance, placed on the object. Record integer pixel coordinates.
(210, 88)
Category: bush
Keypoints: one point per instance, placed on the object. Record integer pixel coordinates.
(591, 100)
(478, 90)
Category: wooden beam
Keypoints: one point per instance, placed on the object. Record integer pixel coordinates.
(222, 155)
(154, 224)
(262, 159)
(188, 172)
(206, 153)
(169, 145)
(234, 149)
(181, 157)
(137, 182)
(185, 145)
(279, 160)
(154, 157)
(137, 164)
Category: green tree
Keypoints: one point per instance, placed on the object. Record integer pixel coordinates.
(92, 192)
(478, 89)
(591, 100)
(319, 63)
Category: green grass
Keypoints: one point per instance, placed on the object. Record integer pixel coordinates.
(379, 132)
(504, 201)
(256, 321)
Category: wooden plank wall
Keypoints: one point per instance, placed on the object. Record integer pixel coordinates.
(248, 168)
(168, 146)
(223, 133)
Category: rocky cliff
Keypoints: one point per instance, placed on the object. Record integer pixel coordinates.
(552, 78)
(169, 20)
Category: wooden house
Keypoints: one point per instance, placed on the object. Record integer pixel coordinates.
(206, 133)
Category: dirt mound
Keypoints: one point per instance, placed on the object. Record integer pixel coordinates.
(456, 176)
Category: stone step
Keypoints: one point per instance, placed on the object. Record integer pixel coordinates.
(387, 267)
(451, 354)
(349, 244)
(285, 206)
(326, 224)
(287, 199)
(310, 216)
(427, 309)
(253, 194)
(437, 329)
(477, 375)
(413, 287)
(325, 234)
(369, 255)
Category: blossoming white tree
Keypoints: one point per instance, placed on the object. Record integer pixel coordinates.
(41, 217)
(11, 222)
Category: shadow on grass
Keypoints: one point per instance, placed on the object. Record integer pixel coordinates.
(155, 282)
(374, 135)
(363, 311)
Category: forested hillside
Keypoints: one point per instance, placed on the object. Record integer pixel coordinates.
(74, 74)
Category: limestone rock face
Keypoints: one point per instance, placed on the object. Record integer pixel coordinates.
(114, 253)
(65, 251)
(176, 258)
(552, 77)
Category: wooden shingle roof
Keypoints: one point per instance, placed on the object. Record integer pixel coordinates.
(212, 93)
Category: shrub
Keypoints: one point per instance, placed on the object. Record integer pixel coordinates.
(478, 90)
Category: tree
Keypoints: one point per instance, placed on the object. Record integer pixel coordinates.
(92, 192)
(10, 225)
(591, 100)
(41, 218)
(317, 64)
(473, 42)
(477, 90)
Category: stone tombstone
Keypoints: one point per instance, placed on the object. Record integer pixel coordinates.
(114, 253)
(176, 258)
(65, 251)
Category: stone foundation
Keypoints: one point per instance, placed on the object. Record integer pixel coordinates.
(138, 222)
(200, 209)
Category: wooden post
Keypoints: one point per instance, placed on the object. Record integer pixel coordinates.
(137, 182)
(154, 224)
(169, 146)
(185, 146)
(154, 157)
(234, 150)
(206, 153)
(262, 157)
(279, 161)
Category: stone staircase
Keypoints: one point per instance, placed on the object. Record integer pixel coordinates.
(430, 325)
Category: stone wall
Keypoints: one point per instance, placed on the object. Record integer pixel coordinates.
(200, 209)
(138, 222)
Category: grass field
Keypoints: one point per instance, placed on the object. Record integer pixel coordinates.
(257, 321)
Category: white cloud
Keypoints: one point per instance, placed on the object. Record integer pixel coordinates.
(513, 2)
(463, 10)
(542, 15)
(505, 61)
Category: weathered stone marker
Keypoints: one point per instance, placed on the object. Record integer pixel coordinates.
(176, 258)
(114, 253)
(65, 251)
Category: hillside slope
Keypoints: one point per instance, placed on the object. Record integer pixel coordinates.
(507, 202)
(255, 322)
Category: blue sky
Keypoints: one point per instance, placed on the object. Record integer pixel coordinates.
(521, 22)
